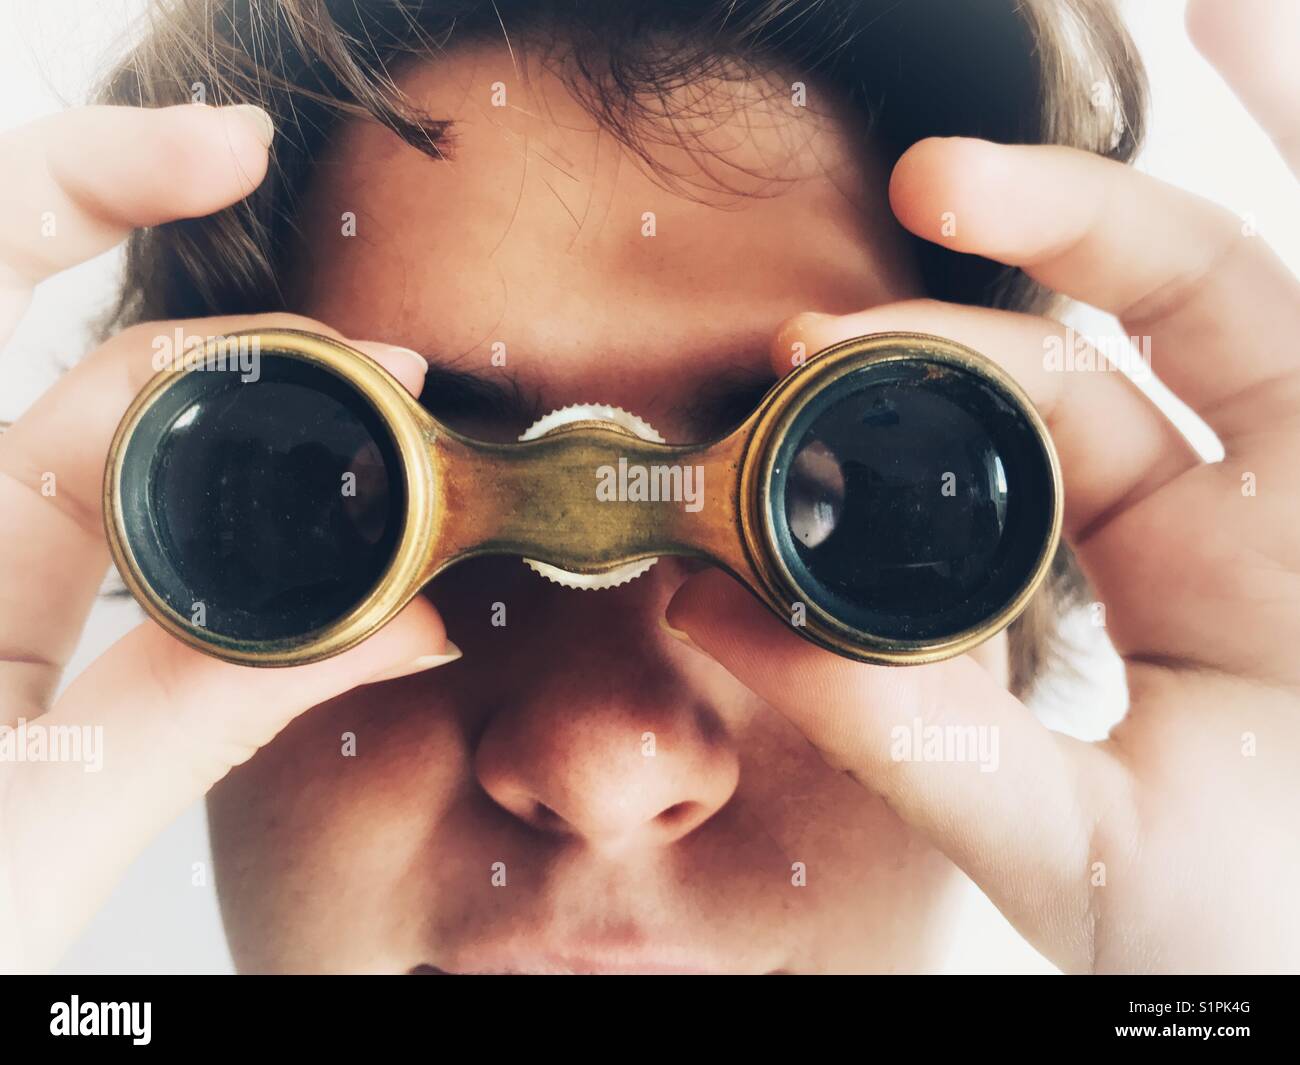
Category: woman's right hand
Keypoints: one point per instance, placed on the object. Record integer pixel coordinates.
(173, 721)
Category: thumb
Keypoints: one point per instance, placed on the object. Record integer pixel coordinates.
(148, 166)
(159, 723)
(955, 755)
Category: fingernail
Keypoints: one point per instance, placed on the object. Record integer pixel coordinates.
(380, 346)
(682, 637)
(259, 121)
(422, 664)
(676, 634)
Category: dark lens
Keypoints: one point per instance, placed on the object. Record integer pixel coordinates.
(911, 500)
(262, 506)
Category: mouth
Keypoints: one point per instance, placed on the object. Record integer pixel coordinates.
(523, 958)
(575, 967)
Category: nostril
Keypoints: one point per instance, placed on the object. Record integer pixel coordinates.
(678, 814)
(545, 817)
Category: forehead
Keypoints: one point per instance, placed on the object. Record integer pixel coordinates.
(600, 272)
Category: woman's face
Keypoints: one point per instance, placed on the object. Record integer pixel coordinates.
(582, 791)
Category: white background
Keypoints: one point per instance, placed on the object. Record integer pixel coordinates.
(52, 51)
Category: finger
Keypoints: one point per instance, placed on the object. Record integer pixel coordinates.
(1172, 266)
(1139, 450)
(148, 166)
(947, 746)
(53, 555)
(164, 723)
(1133, 486)
(1255, 45)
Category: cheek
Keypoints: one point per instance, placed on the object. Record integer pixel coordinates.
(317, 831)
(857, 889)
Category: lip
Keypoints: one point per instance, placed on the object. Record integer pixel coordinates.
(569, 967)
(645, 957)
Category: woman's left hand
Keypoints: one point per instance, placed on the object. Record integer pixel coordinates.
(1174, 844)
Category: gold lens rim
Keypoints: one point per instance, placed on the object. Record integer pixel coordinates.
(772, 579)
(428, 540)
(409, 425)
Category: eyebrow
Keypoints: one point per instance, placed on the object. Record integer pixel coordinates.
(724, 400)
(499, 398)
(710, 408)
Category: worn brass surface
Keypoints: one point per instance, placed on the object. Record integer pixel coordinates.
(771, 579)
(538, 500)
(406, 420)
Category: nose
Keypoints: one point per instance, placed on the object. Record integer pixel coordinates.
(619, 762)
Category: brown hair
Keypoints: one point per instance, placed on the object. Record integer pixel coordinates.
(1013, 71)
